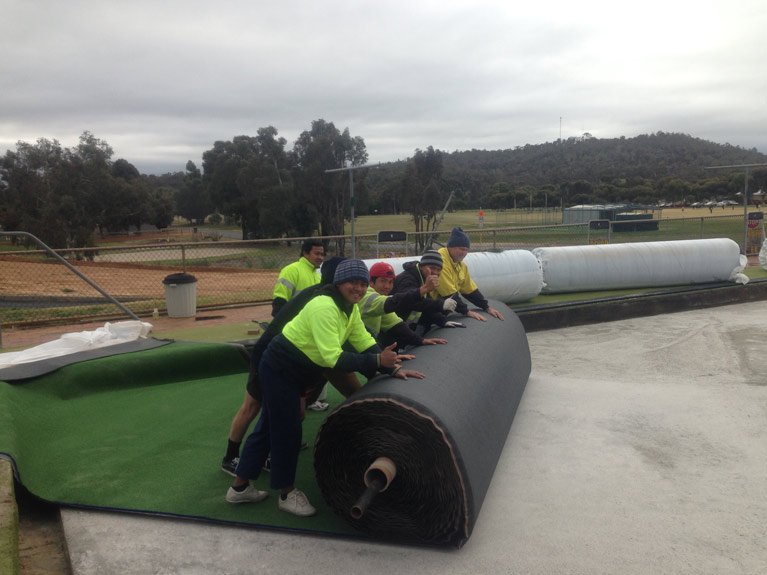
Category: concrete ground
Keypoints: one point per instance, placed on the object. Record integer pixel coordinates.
(640, 447)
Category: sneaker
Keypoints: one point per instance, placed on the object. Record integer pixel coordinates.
(318, 406)
(297, 504)
(229, 465)
(249, 495)
(267, 464)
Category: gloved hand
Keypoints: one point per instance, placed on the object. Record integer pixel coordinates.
(449, 304)
(454, 323)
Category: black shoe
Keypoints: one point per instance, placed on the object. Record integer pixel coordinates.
(229, 465)
(267, 464)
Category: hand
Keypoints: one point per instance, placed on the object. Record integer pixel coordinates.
(405, 356)
(454, 324)
(449, 304)
(495, 313)
(431, 283)
(474, 315)
(434, 341)
(388, 357)
(408, 373)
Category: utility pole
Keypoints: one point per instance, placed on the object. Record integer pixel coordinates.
(351, 169)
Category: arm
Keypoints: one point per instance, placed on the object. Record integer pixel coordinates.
(277, 305)
(479, 300)
(286, 282)
(403, 335)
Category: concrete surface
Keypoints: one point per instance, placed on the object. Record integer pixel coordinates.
(640, 446)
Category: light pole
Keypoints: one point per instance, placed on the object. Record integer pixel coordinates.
(351, 169)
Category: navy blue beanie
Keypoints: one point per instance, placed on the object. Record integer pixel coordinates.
(350, 270)
(458, 239)
(328, 269)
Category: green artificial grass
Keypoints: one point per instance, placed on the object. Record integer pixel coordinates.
(146, 432)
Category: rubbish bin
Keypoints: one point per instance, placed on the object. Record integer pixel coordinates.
(181, 295)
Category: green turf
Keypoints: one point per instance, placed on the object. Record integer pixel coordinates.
(146, 432)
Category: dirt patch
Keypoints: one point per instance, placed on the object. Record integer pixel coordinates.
(42, 545)
(21, 278)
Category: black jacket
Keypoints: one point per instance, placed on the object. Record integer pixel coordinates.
(430, 309)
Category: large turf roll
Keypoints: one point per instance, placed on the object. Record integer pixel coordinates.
(444, 434)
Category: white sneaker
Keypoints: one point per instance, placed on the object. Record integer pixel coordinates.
(297, 504)
(318, 406)
(249, 495)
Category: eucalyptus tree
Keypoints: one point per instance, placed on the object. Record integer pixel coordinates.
(323, 147)
(240, 174)
(422, 191)
(55, 193)
(193, 200)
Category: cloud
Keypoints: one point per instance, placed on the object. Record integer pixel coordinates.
(161, 82)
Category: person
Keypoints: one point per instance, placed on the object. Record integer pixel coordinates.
(424, 275)
(377, 309)
(455, 279)
(295, 277)
(251, 402)
(309, 346)
(299, 275)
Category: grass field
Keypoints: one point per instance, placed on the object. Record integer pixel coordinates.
(469, 219)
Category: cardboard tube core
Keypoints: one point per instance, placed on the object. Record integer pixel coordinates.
(377, 478)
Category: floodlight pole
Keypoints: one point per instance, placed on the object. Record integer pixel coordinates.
(747, 168)
(350, 169)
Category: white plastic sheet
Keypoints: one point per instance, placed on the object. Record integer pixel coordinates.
(110, 334)
(647, 264)
(763, 255)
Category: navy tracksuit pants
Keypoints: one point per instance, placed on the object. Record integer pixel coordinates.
(278, 430)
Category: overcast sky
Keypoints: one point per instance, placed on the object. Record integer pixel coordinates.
(161, 81)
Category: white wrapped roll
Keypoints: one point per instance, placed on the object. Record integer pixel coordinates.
(509, 276)
(647, 264)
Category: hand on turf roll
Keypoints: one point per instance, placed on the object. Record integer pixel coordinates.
(388, 357)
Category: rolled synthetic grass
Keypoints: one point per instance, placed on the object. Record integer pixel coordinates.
(145, 432)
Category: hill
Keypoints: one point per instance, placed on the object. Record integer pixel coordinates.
(645, 168)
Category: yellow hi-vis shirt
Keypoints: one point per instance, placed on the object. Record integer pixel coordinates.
(372, 312)
(321, 328)
(294, 277)
(453, 278)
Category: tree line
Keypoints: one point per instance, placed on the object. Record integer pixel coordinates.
(68, 196)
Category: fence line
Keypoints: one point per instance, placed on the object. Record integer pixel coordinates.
(36, 288)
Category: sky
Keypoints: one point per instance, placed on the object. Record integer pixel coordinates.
(162, 81)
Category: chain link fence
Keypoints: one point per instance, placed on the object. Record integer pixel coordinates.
(35, 288)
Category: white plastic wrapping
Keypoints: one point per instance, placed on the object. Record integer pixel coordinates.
(509, 276)
(647, 264)
(110, 334)
(763, 255)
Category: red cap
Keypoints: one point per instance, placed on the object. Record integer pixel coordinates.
(381, 270)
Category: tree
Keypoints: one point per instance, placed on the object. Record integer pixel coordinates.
(422, 191)
(323, 148)
(161, 207)
(55, 193)
(238, 173)
(192, 200)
